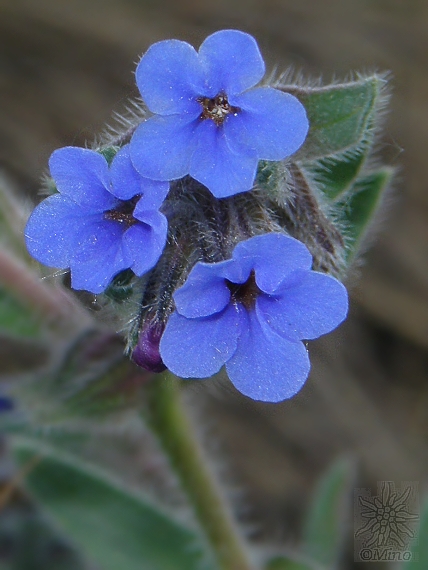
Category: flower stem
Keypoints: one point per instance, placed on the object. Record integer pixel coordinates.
(54, 304)
(171, 422)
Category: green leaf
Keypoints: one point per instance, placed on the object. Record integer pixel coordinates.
(15, 318)
(364, 199)
(92, 378)
(340, 116)
(419, 547)
(282, 563)
(323, 536)
(28, 542)
(335, 175)
(113, 527)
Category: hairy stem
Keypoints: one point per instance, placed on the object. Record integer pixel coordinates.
(171, 422)
(50, 302)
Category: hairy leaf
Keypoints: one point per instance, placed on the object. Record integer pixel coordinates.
(325, 523)
(360, 208)
(112, 526)
(340, 116)
(335, 175)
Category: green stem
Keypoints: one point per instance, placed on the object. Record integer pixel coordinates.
(171, 423)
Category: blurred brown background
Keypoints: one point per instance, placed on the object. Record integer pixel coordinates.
(66, 64)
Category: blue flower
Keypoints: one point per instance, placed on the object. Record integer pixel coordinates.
(207, 121)
(251, 313)
(102, 221)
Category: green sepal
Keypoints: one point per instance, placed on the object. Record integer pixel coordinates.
(269, 174)
(120, 289)
(109, 152)
(113, 527)
(49, 187)
(324, 532)
(359, 209)
(340, 116)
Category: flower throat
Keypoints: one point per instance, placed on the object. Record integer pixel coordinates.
(217, 108)
(245, 293)
(123, 213)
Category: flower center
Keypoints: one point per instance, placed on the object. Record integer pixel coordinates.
(245, 293)
(217, 108)
(123, 213)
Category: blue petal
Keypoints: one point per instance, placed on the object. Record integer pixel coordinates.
(204, 292)
(271, 122)
(314, 306)
(237, 270)
(217, 166)
(161, 147)
(154, 193)
(53, 229)
(83, 176)
(151, 217)
(170, 78)
(232, 61)
(273, 257)
(143, 243)
(198, 348)
(265, 366)
(127, 182)
(99, 257)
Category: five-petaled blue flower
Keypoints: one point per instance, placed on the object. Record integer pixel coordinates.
(207, 121)
(251, 313)
(102, 221)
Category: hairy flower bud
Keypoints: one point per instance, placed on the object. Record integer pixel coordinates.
(146, 352)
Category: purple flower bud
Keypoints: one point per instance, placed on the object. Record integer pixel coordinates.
(146, 352)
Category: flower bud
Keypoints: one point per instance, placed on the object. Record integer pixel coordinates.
(146, 352)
